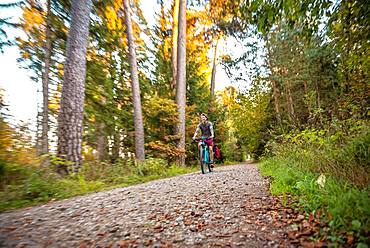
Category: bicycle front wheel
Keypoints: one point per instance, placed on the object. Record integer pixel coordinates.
(207, 159)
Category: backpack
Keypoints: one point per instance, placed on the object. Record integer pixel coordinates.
(217, 152)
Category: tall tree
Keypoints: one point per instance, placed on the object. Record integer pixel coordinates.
(275, 86)
(138, 118)
(72, 100)
(175, 33)
(181, 79)
(213, 77)
(45, 83)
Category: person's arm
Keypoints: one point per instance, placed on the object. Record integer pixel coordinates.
(196, 132)
(211, 129)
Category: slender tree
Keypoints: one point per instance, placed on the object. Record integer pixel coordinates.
(45, 83)
(101, 141)
(174, 42)
(72, 100)
(181, 79)
(275, 86)
(138, 118)
(213, 78)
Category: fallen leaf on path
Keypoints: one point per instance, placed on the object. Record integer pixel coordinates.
(311, 218)
(292, 234)
(83, 245)
(124, 244)
(350, 239)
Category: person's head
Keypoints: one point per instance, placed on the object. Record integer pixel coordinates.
(203, 117)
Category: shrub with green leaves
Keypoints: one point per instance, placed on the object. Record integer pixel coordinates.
(346, 207)
(328, 170)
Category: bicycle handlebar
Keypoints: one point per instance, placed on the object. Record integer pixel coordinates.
(197, 140)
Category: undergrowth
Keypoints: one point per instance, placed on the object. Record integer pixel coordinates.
(29, 185)
(329, 172)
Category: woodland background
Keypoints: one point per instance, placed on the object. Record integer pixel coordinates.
(299, 101)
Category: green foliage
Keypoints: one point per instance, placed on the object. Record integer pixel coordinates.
(11, 173)
(160, 118)
(232, 151)
(349, 29)
(248, 118)
(345, 206)
(342, 153)
(328, 170)
(359, 150)
(150, 167)
(308, 80)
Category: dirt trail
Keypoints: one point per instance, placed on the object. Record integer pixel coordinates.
(230, 207)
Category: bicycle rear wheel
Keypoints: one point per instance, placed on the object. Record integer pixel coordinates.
(207, 160)
(202, 162)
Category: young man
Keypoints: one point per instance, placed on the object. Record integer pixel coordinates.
(206, 128)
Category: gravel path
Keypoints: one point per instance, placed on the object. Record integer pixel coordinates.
(226, 208)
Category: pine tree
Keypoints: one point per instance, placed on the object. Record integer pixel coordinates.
(136, 99)
(181, 79)
(70, 117)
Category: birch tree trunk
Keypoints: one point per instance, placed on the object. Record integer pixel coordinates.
(138, 118)
(45, 86)
(73, 91)
(181, 80)
(174, 44)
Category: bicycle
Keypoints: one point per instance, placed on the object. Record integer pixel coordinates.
(204, 158)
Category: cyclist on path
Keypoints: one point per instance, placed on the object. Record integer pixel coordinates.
(206, 128)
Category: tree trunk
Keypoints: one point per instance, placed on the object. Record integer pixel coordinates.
(101, 142)
(73, 91)
(305, 87)
(181, 80)
(276, 94)
(138, 118)
(174, 44)
(45, 86)
(213, 78)
(38, 144)
(318, 104)
(275, 86)
(116, 145)
(289, 100)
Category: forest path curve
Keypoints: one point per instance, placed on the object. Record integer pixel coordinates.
(229, 207)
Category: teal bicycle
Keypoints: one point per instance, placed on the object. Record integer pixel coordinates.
(204, 158)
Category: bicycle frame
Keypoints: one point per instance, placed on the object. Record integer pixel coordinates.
(204, 156)
(205, 149)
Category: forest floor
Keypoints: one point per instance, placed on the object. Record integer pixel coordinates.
(230, 207)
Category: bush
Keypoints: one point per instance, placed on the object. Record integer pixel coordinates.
(344, 155)
(346, 207)
(358, 148)
(340, 155)
(151, 166)
(232, 151)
